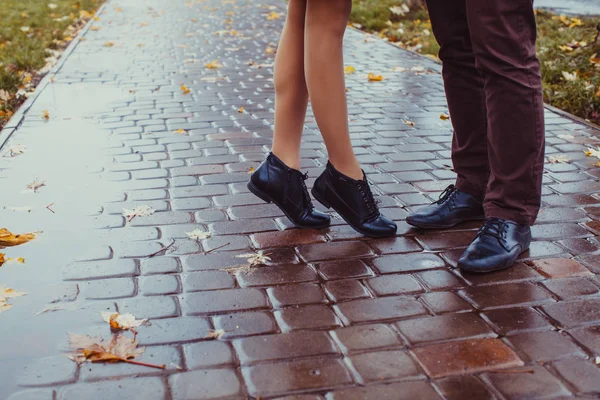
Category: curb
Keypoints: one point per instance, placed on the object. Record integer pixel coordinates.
(17, 119)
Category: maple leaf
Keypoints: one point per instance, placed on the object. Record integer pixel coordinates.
(8, 239)
(5, 294)
(349, 70)
(185, 89)
(374, 78)
(444, 116)
(139, 211)
(198, 234)
(213, 64)
(561, 159)
(122, 322)
(35, 185)
(254, 259)
(97, 349)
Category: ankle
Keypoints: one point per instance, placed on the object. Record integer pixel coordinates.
(290, 161)
(351, 170)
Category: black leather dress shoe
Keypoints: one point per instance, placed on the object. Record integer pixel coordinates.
(451, 209)
(275, 182)
(353, 201)
(497, 246)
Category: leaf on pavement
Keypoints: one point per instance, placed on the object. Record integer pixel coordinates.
(7, 238)
(185, 89)
(444, 117)
(99, 350)
(213, 64)
(374, 77)
(215, 334)
(560, 159)
(35, 185)
(2, 259)
(349, 70)
(15, 150)
(122, 322)
(5, 294)
(255, 259)
(273, 15)
(198, 234)
(140, 211)
(409, 123)
(46, 114)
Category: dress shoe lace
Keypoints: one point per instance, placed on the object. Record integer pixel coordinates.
(369, 199)
(494, 227)
(448, 193)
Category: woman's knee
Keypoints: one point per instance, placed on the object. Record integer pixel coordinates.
(330, 16)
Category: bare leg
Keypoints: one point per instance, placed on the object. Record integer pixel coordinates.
(291, 94)
(324, 66)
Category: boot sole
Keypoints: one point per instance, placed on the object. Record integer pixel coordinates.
(362, 232)
(434, 226)
(268, 199)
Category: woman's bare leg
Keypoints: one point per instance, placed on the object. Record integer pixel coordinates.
(291, 94)
(324, 68)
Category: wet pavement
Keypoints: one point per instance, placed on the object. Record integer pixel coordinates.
(583, 7)
(332, 315)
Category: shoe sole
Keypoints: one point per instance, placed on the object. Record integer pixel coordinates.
(433, 226)
(362, 232)
(500, 268)
(265, 197)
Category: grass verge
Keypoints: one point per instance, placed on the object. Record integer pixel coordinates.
(33, 34)
(568, 48)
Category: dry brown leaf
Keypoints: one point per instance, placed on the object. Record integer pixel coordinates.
(5, 294)
(8, 239)
(96, 349)
(215, 334)
(122, 322)
(35, 185)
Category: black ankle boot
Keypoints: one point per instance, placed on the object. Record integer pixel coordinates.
(275, 182)
(353, 201)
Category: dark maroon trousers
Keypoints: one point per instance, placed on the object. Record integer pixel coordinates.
(494, 91)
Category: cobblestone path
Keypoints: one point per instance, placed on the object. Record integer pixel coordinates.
(333, 315)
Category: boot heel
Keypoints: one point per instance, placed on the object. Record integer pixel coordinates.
(259, 193)
(320, 199)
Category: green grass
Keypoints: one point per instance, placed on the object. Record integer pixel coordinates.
(29, 31)
(565, 44)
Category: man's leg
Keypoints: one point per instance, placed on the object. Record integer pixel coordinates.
(466, 100)
(465, 93)
(503, 34)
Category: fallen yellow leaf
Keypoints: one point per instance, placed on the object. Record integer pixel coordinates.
(273, 15)
(375, 78)
(181, 131)
(213, 64)
(444, 116)
(241, 110)
(185, 89)
(109, 44)
(8, 239)
(46, 114)
(349, 70)
(1, 259)
(409, 123)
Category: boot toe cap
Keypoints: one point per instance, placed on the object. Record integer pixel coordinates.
(381, 226)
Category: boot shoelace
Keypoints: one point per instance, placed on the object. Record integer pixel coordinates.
(305, 195)
(448, 193)
(368, 197)
(495, 228)
(303, 178)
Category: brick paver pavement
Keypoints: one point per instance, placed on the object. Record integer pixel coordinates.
(333, 315)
